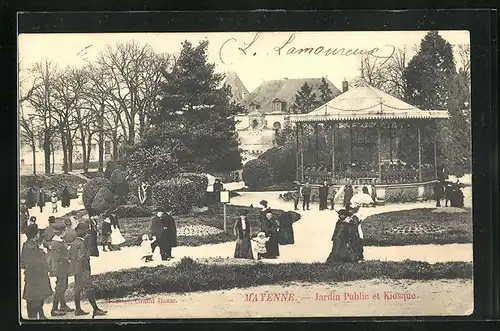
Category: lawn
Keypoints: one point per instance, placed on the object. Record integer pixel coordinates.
(191, 276)
(422, 227)
(134, 227)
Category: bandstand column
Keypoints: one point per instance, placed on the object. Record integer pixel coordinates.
(333, 153)
(419, 154)
(378, 152)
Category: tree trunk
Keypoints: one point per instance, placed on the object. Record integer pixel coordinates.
(101, 139)
(46, 152)
(89, 151)
(84, 148)
(65, 152)
(69, 146)
(33, 149)
(53, 158)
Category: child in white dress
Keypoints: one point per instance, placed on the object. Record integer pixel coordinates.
(260, 247)
(147, 253)
(53, 199)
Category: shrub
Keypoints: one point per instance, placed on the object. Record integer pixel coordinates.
(119, 185)
(110, 167)
(201, 183)
(151, 165)
(90, 190)
(133, 211)
(282, 162)
(103, 200)
(257, 173)
(178, 194)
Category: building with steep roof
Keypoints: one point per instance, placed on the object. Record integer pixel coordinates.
(238, 89)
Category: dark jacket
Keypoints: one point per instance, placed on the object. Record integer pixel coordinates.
(41, 198)
(170, 229)
(36, 272)
(60, 258)
(323, 191)
(348, 193)
(240, 233)
(105, 229)
(65, 198)
(79, 256)
(306, 190)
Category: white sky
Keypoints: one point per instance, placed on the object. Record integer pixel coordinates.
(266, 64)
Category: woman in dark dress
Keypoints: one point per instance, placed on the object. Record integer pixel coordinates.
(285, 233)
(65, 199)
(347, 245)
(36, 273)
(30, 198)
(243, 248)
(92, 233)
(24, 215)
(270, 228)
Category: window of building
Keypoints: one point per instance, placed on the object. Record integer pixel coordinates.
(255, 124)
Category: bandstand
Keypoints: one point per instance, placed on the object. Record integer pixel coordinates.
(364, 126)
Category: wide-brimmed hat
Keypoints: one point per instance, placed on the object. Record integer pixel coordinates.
(263, 202)
(52, 219)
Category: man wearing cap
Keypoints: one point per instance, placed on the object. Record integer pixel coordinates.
(80, 267)
(60, 269)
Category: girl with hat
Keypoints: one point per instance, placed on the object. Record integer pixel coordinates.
(53, 199)
(36, 273)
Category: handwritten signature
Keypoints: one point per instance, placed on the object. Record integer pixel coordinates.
(289, 47)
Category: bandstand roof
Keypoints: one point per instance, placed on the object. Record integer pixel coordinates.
(366, 102)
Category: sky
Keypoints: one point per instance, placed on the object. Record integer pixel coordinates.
(255, 57)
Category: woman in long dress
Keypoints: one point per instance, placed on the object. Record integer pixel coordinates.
(347, 244)
(285, 233)
(270, 228)
(243, 248)
(92, 233)
(116, 236)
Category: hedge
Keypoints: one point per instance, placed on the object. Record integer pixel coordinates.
(119, 185)
(103, 200)
(177, 194)
(151, 165)
(201, 183)
(110, 167)
(257, 173)
(90, 190)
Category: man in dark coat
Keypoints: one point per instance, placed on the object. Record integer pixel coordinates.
(323, 196)
(80, 267)
(306, 196)
(348, 193)
(164, 229)
(41, 199)
(60, 269)
(65, 198)
(438, 192)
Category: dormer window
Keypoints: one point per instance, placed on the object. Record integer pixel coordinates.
(279, 106)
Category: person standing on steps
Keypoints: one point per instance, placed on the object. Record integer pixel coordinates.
(80, 267)
(306, 196)
(60, 269)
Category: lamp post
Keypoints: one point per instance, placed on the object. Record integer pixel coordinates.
(225, 198)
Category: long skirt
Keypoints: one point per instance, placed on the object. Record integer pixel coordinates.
(285, 236)
(116, 237)
(243, 249)
(93, 243)
(272, 247)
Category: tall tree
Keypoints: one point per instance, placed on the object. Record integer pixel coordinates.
(29, 134)
(42, 100)
(196, 117)
(432, 84)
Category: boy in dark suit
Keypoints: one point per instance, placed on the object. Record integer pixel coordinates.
(60, 269)
(80, 267)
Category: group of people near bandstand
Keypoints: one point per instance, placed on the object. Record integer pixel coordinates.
(63, 249)
(275, 230)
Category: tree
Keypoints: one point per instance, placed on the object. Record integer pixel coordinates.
(196, 116)
(433, 83)
(29, 134)
(41, 99)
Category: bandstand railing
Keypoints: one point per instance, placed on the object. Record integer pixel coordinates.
(389, 175)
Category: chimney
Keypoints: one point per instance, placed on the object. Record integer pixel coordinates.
(345, 86)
